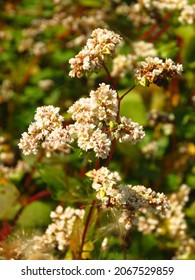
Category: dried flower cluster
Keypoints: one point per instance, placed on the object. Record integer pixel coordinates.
(59, 231)
(46, 130)
(22, 247)
(101, 44)
(131, 199)
(155, 70)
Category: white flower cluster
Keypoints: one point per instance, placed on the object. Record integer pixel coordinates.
(101, 44)
(92, 116)
(128, 131)
(144, 49)
(187, 14)
(46, 130)
(96, 122)
(105, 182)
(58, 233)
(130, 199)
(155, 70)
(122, 64)
(95, 126)
(144, 11)
(169, 4)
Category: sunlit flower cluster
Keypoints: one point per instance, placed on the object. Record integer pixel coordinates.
(47, 130)
(187, 15)
(59, 231)
(131, 199)
(100, 45)
(155, 70)
(105, 184)
(96, 123)
(128, 131)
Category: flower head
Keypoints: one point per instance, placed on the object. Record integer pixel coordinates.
(130, 199)
(100, 45)
(59, 231)
(47, 130)
(155, 70)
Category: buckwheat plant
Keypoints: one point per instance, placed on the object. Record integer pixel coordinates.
(95, 128)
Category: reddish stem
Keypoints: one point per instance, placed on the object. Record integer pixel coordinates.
(6, 228)
(38, 196)
(159, 33)
(111, 153)
(147, 34)
(86, 228)
(109, 76)
(82, 171)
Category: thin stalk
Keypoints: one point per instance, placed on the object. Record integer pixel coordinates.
(109, 76)
(86, 228)
(111, 153)
(127, 92)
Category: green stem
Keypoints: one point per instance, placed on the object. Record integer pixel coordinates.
(127, 92)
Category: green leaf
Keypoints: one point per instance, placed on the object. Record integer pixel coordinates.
(36, 214)
(8, 199)
(173, 181)
(91, 3)
(190, 181)
(55, 180)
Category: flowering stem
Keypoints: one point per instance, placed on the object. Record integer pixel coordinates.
(111, 153)
(109, 76)
(38, 196)
(127, 92)
(87, 224)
